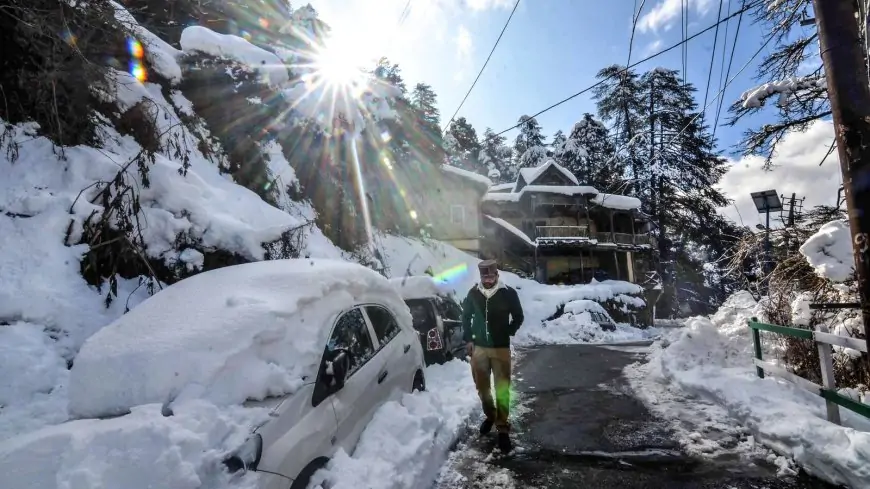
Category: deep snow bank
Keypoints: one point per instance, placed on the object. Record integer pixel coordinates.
(407, 441)
(712, 358)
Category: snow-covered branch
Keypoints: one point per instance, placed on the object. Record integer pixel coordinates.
(755, 97)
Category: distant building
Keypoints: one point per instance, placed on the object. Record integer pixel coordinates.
(453, 215)
(548, 226)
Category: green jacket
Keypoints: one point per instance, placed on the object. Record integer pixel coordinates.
(491, 322)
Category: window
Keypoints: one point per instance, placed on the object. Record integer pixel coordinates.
(421, 312)
(457, 214)
(385, 325)
(448, 309)
(352, 334)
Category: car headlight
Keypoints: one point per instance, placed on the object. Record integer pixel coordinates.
(247, 456)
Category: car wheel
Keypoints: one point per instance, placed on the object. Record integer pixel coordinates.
(419, 382)
(303, 480)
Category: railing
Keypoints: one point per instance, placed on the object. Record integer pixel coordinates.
(823, 340)
(562, 232)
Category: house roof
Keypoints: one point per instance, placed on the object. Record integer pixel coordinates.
(532, 174)
(467, 175)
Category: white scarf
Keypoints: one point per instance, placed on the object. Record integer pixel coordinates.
(488, 293)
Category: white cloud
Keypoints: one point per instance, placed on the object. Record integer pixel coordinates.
(464, 49)
(653, 47)
(667, 12)
(797, 170)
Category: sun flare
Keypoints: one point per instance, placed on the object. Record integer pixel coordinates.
(340, 64)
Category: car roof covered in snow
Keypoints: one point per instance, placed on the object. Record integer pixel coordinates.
(420, 287)
(584, 305)
(243, 332)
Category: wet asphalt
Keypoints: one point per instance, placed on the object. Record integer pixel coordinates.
(580, 426)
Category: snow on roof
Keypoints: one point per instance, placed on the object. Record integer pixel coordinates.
(242, 332)
(502, 187)
(531, 174)
(475, 177)
(829, 251)
(200, 39)
(547, 189)
(419, 287)
(511, 228)
(617, 202)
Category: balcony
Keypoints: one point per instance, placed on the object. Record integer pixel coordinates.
(555, 232)
(573, 232)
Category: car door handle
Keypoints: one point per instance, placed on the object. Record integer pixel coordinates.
(407, 347)
(382, 376)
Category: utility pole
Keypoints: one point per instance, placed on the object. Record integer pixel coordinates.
(849, 93)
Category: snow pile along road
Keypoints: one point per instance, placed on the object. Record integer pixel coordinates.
(408, 440)
(712, 358)
(582, 322)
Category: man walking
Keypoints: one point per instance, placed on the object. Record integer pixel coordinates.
(491, 314)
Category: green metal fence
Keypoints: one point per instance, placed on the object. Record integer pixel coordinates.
(823, 340)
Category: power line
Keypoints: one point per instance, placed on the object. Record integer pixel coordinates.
(405, 12)
(713, 57)
(636, 63)
(722, 66)
(635, 18)
(728, 71)
(517, 4)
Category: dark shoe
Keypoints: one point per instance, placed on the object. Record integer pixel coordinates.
(486, 426)
(504, 442)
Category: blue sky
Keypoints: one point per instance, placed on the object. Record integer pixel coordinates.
(552, 49)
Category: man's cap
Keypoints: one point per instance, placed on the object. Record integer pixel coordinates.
(488, 267)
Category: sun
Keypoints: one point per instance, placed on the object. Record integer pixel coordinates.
(340, 64)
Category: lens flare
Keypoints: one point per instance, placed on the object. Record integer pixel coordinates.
(264, 23)
(135, 48)
(452, 274)
(69, 37)
(138, 71)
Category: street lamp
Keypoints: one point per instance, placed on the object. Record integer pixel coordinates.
(766, 201)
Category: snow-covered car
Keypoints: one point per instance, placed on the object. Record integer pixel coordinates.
(437, 317)
(320, 344)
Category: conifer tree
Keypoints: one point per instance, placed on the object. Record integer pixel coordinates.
(530, 145)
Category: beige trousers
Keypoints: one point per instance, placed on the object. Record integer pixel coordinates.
(495, 361)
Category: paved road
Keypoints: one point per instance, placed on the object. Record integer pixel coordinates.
(580, 426)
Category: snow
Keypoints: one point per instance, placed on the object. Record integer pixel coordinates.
(502, 187)
(198, 39)
(711, 359)
(577, 325)
(569, 190)
(161, 56)
(420, 287)
(755, 97)
(142, 450)
(829, 251)
(617, 202)
(475, 177)
(512, 229)
(408, 440)
(250, 331)
(531, 174)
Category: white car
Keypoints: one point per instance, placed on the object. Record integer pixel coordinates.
(322, 344)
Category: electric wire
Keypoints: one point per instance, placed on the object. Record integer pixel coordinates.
(636, 63)
(713, 56)
(728, 70)
(517, 4)
(722, 66)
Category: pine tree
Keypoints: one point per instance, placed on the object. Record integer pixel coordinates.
(530, 145)
(465, 147)
(495, 156)
(427, 122)
(557, 144)
(621, 104)
(589, 154)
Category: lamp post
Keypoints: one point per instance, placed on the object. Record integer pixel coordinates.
(766, 201)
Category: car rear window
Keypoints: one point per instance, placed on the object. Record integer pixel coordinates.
(421, 311)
